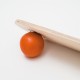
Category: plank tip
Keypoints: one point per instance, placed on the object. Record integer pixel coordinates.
(17, 21)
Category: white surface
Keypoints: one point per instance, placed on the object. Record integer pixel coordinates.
(57, 62)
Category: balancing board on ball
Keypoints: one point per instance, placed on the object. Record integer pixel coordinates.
(51, 35)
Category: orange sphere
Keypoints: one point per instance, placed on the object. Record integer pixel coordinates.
(32, 44)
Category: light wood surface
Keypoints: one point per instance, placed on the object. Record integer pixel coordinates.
(51, 35)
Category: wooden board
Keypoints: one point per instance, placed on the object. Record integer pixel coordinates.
(51, 35)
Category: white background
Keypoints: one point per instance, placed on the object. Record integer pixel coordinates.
(57, 62)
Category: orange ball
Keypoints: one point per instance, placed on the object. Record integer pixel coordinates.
(32, 44)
